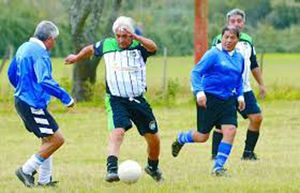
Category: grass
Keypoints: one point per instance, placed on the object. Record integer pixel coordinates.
(80, 163)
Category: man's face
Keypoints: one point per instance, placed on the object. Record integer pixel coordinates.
(229, 40)
(50, 43)
(236, 21)
(124, 39)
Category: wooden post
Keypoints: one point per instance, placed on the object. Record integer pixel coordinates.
(200, 29)
(165, 83)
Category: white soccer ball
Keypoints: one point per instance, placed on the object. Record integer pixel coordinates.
(129, 171)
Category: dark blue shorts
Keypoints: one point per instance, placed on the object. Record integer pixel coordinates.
(38, 121)
(121, 111)
(218, 112)
(251, 105)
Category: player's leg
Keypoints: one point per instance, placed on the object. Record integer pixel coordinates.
(205, 119)
(114, 143)
(216, 140)
(43, 125)
(224, 150)
(253, 113)
(49, 145)
(153, 142)
(118, 122)
(228, 122)
(252, 136)
(144, 119)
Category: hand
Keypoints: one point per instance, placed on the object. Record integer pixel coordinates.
(262, 91)
(242, 105)
(201, 100)
(130, 34)
(71, 59)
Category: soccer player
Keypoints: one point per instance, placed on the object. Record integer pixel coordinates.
(217, 84)
(30, 74)
(125, 58)
(236, 18)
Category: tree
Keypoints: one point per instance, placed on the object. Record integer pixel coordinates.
(84, 20)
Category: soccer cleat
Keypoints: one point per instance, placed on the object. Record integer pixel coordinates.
(112, 176)
(221, 172)
(49, 184)
(176, 147)
(251, 156)
(27, 180)
(155, 174)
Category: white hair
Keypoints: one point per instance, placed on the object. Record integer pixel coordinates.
(123, 22)
(236, 12)
(46, 29)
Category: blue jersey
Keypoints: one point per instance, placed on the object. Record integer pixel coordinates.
(30, 72)
(219, 73)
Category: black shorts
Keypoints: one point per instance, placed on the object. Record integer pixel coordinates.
(217, 112)
(38, 121)
(121, 111)
(251, 105)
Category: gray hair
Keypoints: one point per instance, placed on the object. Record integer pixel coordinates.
(236, 12)
(123, 22)
(46, 29)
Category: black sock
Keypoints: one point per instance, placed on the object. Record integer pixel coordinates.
(251, 141)
(112, 163)
(216, 140)
(152, 164)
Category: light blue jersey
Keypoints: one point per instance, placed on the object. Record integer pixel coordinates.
(30, 72)
(219, 73)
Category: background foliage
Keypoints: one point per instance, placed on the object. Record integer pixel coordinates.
(168, 22)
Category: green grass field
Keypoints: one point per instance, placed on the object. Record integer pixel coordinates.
(80, 164)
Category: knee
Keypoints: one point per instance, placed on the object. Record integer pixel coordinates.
(257, 119)
(118, 134)
(229, 132)
(60, 141)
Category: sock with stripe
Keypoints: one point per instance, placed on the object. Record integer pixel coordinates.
(152, 164)
(185, 137)
(112, 163)
(32, 164)
(45, 171)
(222, 156)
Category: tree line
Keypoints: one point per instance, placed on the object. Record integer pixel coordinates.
(168, 22)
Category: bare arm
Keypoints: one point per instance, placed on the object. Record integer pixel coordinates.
(86, 52)
(148, 44)
(258, 77)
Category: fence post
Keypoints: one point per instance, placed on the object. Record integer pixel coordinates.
(165, 82)
(262, 60)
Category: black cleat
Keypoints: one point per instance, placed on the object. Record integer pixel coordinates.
(155, 174)
(251, 156)
(49, 184)
(112, 176)
(176, 147)
(27, 180)
(222, 172)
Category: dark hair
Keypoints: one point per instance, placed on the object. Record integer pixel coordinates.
(231, 29)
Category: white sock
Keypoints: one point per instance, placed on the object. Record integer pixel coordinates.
(32, 164)
(45, 171)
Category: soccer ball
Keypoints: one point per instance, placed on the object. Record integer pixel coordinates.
(129, 171)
